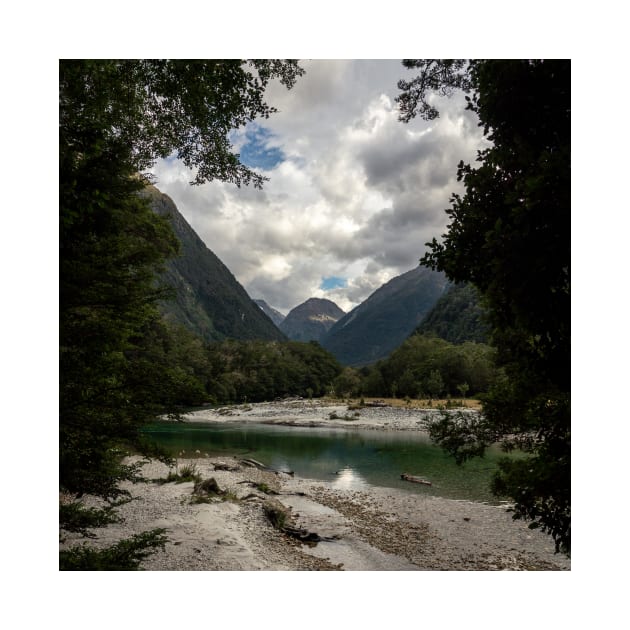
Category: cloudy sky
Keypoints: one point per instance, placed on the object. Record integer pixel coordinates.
(353, 195)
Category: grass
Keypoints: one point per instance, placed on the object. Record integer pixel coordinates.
(188, 472)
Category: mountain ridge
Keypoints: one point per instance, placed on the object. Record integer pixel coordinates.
(377, 326)
(274, 315)
(208, 299)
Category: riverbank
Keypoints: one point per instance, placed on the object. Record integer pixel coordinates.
(374, 530)
(388, 414)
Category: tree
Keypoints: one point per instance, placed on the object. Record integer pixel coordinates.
(157, 107)
(115, 119)
(434, 384)
(348, 383)
(509, 235)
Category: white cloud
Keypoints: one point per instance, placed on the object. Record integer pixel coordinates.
(357, 195)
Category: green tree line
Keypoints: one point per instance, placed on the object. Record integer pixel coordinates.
(424, 366)
(234, 371)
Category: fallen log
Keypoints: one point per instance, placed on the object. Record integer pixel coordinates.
(281, 518)
(225, 467)
(413, 479)
(252, 463)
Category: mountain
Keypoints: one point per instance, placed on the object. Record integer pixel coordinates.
(275, 316)
(457, 316)
(311, 320)
(208, 298)
(380, 324)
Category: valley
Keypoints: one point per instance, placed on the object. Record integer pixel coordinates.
(373, 293)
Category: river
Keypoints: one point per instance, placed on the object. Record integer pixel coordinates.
(352, 458)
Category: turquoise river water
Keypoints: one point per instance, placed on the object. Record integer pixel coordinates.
(348, 458)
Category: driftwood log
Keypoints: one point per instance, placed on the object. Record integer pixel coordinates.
(414, 479)
(252, 463)
(225, 467)
(281, 518)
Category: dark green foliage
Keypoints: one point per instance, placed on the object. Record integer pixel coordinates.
(169, 367)
(252, 371)
(75, 517)
(157, 107)
(111, 245)
(125, 555)
(430, 367)
(278, 515)
(380, 324)
(349, 383)
(115, 119)
(510, 237)
(462, 434)
(457, 316)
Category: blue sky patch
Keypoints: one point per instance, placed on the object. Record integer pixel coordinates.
(333, 282)
(255, 153)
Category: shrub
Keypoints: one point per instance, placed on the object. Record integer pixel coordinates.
(75, 517)
(125, 555)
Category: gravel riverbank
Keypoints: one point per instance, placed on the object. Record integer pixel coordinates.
(378, 529)
(322, 413)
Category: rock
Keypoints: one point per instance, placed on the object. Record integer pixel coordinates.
(207, 487)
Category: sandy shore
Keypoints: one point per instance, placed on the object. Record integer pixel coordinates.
(379, 530)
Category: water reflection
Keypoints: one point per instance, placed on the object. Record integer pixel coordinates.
(349, 479)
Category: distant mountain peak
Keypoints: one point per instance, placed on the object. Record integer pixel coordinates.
(311, 320)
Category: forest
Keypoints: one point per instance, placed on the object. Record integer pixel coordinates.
(233, 372)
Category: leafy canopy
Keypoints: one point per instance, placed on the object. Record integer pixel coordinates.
(157, 107)
(509, 235)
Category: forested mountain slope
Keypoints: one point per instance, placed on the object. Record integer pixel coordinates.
(457, 316)
(380, 324)
(208, 299)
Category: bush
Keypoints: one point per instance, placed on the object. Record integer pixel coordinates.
(125, 555)
(75, 517)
